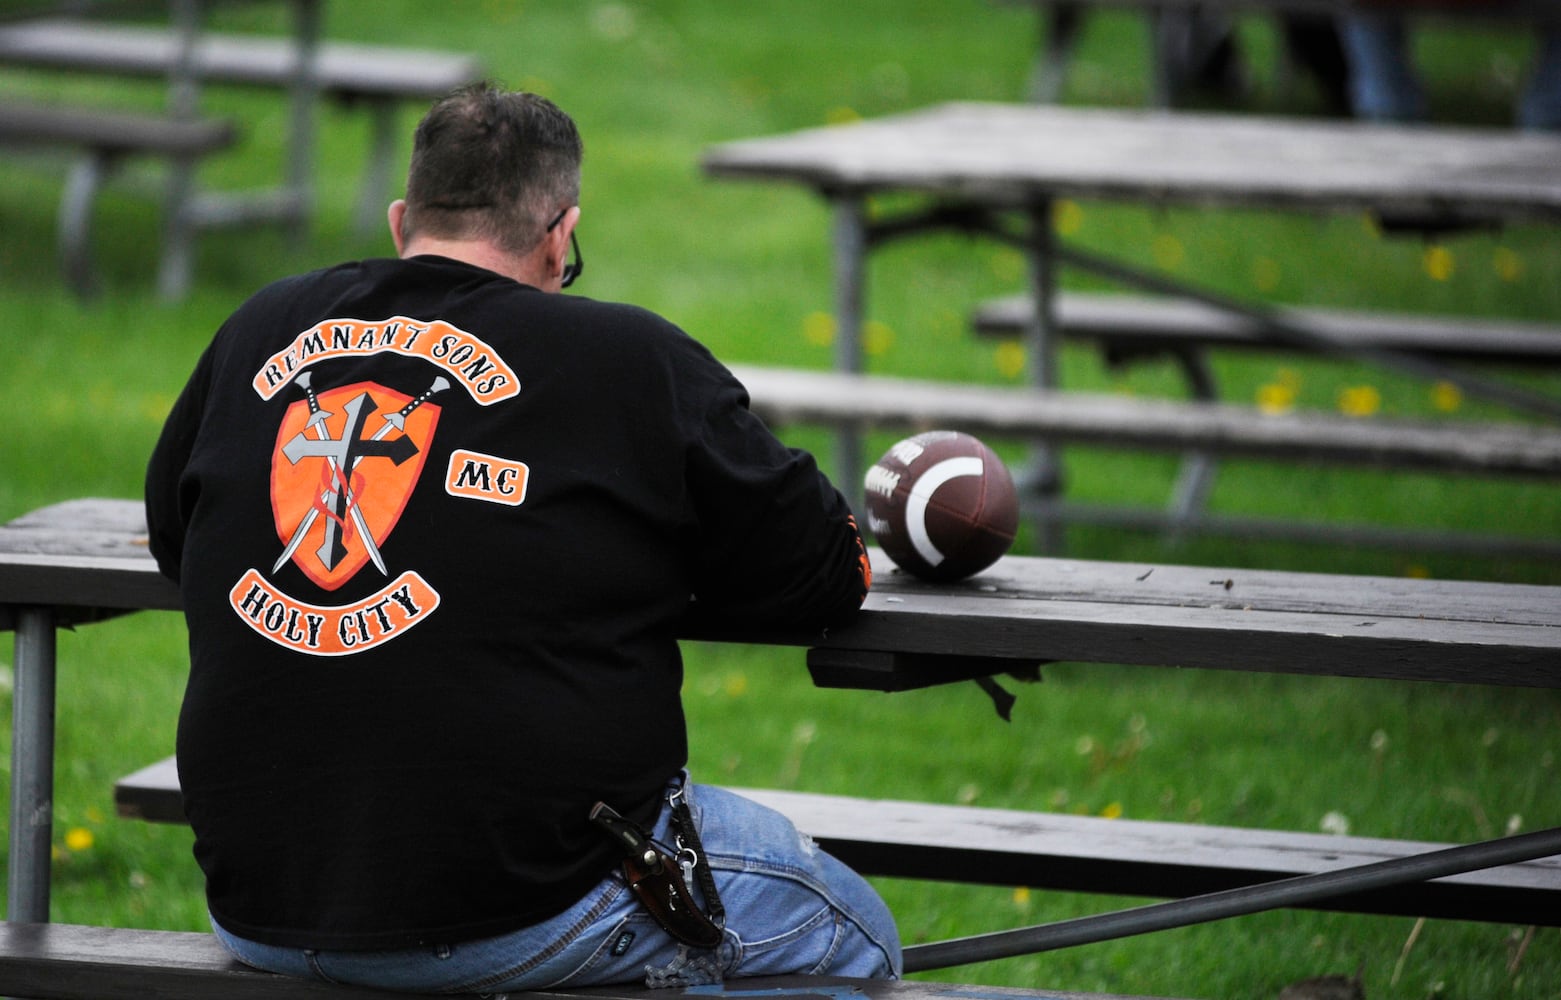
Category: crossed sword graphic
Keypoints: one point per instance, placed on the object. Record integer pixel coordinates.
(341, 458)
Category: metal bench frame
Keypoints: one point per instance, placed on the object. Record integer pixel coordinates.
(375, 77)
(105, 140)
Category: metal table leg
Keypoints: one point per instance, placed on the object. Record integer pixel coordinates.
(1044, 476)
(175, 272)
(307, 16)
(32, 766)
(850, 236)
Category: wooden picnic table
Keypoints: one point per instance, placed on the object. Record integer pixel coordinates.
(187, 208)
(375, 79)
(85, 560)
(997, 170)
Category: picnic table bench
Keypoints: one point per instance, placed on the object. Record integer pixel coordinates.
(84, 560)
(377, 78)
(1125, 327)
(996, 170)
(1048, 850)
(72, 962)
(105, 139)
(859, 402)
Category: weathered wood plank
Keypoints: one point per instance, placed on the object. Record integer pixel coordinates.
(1023, 608)
(1015, 154)
(1477, 633)
(26, 123)
(1350, 599)
(1144, 858)
(1075, 853)
(790, 396)
(1150, 323)
(343, 68)
(74, 962)
(88, 558)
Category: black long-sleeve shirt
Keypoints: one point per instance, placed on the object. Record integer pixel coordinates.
(435, 530)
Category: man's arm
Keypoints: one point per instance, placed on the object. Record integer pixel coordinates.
(168, 497)
(779, 544)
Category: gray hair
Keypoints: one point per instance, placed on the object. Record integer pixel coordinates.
(492, 164)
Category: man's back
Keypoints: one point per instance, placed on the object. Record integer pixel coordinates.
(436, 529)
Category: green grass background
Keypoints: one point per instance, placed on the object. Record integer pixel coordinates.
(745, 268)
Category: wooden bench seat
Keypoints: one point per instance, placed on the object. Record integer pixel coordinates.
(375, 77)
(75, 962)
(111, 132)
(1078, 853)
(789, 396)
(105, 138)
(1129, 325)
(344, 70)
(1202, 430)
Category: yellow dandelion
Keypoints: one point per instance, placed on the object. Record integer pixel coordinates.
(1359, 400)
(1438, 262)
(1022, 898)
(1446, 396)
(1265, 274)
(1008, 265)
(79, 839)
(1010, 357)
(818, 329)
(735, 685)
(1067, 217)
(1168, 252)
(1113, 810)
(948, 325)
(155, 406)
(877, 338)
(1274, 398)
(842, 115)
(1507, 264)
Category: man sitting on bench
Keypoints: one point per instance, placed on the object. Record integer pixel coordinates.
(435, 529)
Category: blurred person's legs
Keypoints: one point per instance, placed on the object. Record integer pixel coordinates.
(1540, 105)
(1383, 84)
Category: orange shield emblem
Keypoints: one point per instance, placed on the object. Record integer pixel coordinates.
(345, 465)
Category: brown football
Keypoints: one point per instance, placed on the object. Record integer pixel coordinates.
(942, 505)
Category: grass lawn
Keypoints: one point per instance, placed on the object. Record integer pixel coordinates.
(744, 267)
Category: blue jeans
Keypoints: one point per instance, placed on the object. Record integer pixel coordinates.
(790, 908)
(1385, 87)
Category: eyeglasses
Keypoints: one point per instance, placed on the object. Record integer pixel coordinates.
(571, 270)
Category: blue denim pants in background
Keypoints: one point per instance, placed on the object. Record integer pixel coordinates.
(790, 908)
(1384, 85)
